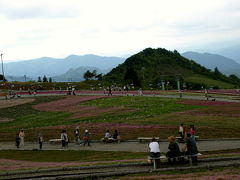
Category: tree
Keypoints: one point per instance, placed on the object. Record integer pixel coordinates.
(45, 79)
(94, 73)
(87, 75)
(217, 72)
(50, 80)
(99, 76)
(131, 76)
(2, 78)
(39, 79)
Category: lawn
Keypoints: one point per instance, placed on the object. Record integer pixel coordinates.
(132, 116)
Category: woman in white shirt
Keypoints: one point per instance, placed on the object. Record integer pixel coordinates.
(154, 149)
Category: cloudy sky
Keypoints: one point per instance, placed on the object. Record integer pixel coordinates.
(57, 28)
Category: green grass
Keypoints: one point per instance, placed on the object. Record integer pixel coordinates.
(216, 121)
(144, 107)
(199, 173)
(67, 156)
(209, 82)
(26, 117)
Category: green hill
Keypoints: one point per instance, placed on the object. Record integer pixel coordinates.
(151, 67)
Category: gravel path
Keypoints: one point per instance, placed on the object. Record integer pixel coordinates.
(203, 145)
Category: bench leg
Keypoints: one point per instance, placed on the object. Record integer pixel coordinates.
(156, 163)
(190, 161)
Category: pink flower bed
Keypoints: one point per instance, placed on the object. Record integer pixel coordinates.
(70, 104)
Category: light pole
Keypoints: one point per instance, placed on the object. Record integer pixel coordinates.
(2, 67)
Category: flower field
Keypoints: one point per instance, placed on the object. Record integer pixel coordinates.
(132, 116)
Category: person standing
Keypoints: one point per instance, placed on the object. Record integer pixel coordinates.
(192, 132)
(40, 141)
(64, 139)
(21, 136)
(86, 138)
(77, 135)
(181, 132)
(17, 140)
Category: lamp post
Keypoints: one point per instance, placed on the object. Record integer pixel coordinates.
(2, 67)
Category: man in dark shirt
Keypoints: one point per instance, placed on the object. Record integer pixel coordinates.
(191, 146)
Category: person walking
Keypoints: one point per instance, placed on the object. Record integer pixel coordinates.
(21, 136)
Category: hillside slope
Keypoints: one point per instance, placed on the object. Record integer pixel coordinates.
(152, 66)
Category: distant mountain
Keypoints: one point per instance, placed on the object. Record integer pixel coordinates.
(210, 61)
(54, 67)
(76, 75)
(152, 67)
(232, 52)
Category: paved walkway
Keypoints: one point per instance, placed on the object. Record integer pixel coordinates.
(206, 145)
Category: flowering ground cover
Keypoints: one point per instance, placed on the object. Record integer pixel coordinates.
(132, 116)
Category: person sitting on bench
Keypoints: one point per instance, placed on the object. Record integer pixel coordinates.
(173, 148)
(154, 150)
(191, 147)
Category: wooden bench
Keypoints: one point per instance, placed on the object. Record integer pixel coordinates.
(110, 140)
(179, 138)
(52, 141)
(141, 139)
(188, 157)
(157, 160)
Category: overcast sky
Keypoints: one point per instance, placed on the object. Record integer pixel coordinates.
(57, 28)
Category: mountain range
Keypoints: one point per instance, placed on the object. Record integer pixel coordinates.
(73, 67)
(52, 67)
(211, 61)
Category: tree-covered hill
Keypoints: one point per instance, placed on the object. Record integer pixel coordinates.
(151, 67)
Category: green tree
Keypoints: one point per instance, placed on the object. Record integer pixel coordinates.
(45, 79)
(88, 75)
(50, 80)
(2, 78)
(131, 76)
(99, 76)
(39, 79)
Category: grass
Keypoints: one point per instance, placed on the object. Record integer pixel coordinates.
(145, 107)
(211, 122)
(67, 156)
(88, 156)
(26, 117)
(224, 173)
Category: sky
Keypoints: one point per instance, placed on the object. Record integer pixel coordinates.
(58, 28)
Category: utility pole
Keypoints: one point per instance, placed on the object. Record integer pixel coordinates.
(2, 67)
